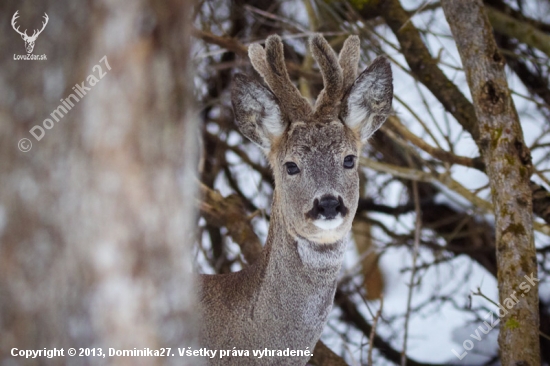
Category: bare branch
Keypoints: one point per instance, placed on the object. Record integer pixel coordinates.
(522, 31)
(229, 212)
(433, 151)
(373, 331)
(445, 179)
(424, 66)
(417, 231)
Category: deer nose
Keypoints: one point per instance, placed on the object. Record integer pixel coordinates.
(329, 206)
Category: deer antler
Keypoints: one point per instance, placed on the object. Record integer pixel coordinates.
(13, 19)
(332, 77)
(37, 33)
(349, 61)
(270, 64)
(338, 75)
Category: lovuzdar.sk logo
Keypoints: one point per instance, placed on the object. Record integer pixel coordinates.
(29, 40)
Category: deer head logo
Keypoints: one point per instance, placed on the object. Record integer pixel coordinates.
(29, 41)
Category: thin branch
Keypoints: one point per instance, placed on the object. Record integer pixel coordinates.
(229, 212)
(424, 66)
(481, 294)
(228, 43)
(233, 45)
(373, 331)
(446, 180)
(418, 229)
(440, 154)
(522, 31)
(354, 317)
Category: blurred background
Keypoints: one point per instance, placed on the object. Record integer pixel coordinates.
(101, 227)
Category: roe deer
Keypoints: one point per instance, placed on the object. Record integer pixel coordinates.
(284, 298)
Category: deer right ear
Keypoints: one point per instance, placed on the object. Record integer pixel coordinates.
(367, 103)
(257, 111)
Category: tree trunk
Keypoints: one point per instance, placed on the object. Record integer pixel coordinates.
(95, 219)
(508, 165)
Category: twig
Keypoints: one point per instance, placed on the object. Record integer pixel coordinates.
(446, 180)
(275, 17)
(420, 8)
(418, 119)
(433, 151)
(229, 212)
(307, 63)
(481, 294)
(418, 228)
(233, 45)
(522, 31)
(373, 330)
(225, 42)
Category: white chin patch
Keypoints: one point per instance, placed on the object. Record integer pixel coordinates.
(325, 224)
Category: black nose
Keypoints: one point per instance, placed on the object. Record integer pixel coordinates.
(328, 207)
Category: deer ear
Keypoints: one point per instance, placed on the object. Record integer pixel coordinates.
(367, 103)
(257, 111)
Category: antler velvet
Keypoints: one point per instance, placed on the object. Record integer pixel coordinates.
(270, 64)
(338, 73)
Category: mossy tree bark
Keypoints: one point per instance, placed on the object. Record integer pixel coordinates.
(96, 219)
(508, 165)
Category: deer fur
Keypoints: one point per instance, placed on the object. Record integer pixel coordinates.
(284, 298)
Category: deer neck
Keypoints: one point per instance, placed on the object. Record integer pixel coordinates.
(297, 278)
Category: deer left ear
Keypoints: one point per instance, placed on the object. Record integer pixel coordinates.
(257, 111)
(367, 103)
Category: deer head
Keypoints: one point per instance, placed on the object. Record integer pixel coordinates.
(29, 40)
(313, 150)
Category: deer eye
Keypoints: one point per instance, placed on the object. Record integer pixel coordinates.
(349, 161)
(292, 168)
